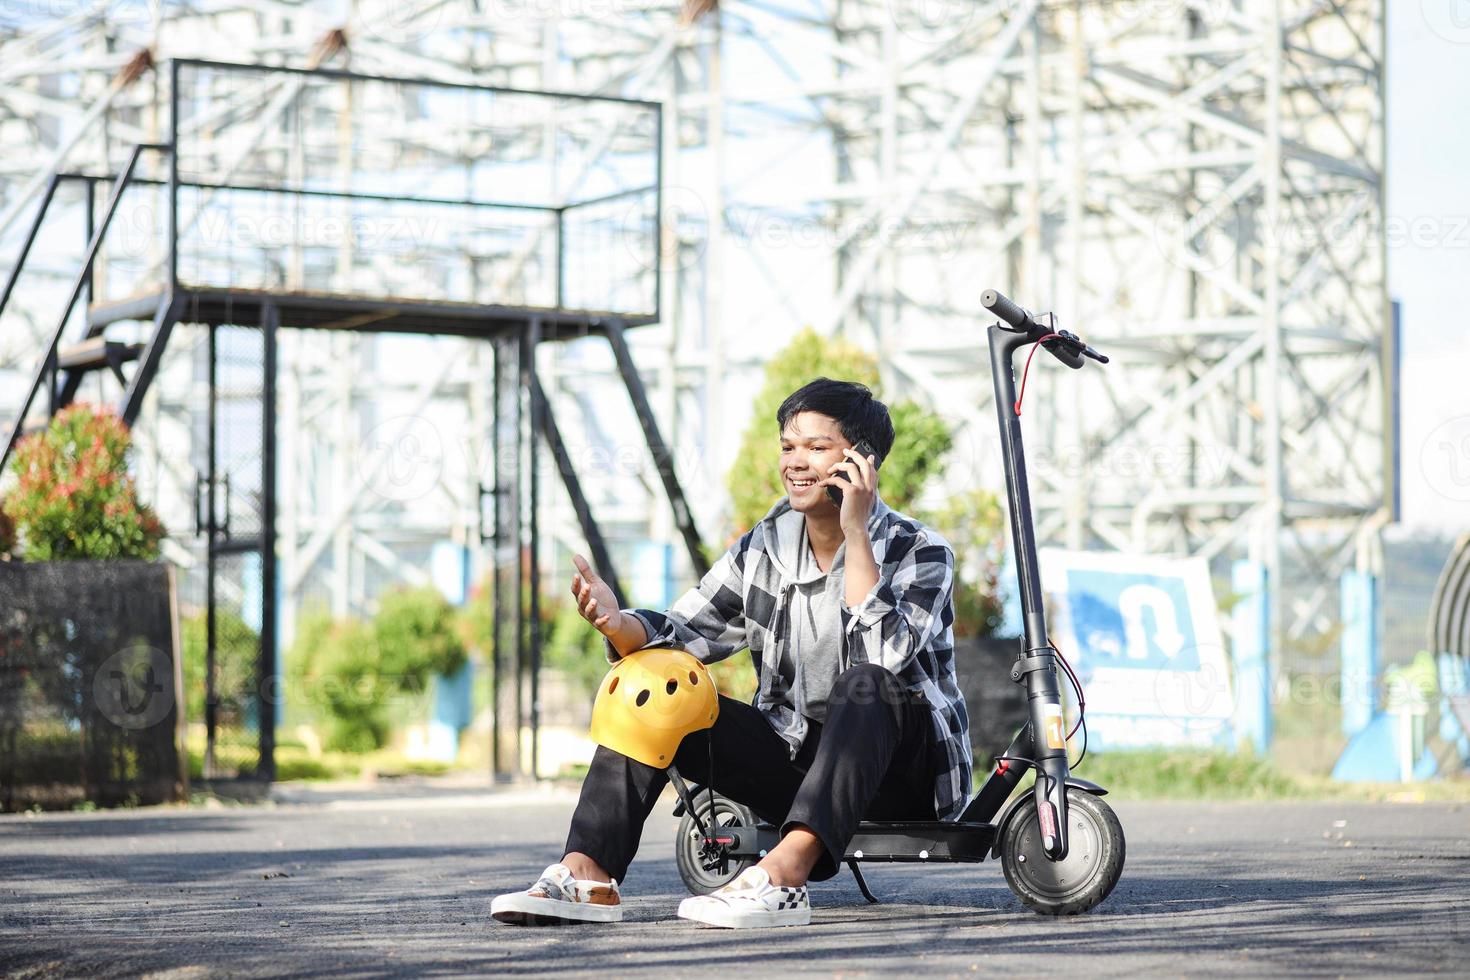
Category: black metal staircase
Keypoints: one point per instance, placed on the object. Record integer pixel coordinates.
(63, 365)
(123, 339)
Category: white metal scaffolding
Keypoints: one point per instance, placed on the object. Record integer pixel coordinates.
(1195, 185)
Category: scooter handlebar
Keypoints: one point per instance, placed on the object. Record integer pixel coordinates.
(1018, 318)
(1067, 348)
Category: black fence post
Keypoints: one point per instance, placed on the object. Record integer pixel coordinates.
(270, 692)
(533, 562)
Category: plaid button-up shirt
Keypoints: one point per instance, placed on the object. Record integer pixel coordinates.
(905, 624)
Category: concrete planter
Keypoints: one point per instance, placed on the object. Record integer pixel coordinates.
(90, 685)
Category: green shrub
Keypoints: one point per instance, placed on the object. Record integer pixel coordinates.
(74, 498)
(237, 650)
(329, 674)
(418, 636)
(349, 685)
(352, 673)
(754, 481)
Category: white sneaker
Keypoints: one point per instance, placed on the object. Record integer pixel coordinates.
(559, 899)
(749, 902)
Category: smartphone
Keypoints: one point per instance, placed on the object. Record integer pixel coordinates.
(862, 448)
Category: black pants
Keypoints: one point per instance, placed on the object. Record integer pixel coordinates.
(870, 760)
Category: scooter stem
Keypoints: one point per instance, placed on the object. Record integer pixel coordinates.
(1036, 665)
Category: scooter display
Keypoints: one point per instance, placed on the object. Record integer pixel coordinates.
(1060, 846)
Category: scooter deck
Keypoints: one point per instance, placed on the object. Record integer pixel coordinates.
(882, 841)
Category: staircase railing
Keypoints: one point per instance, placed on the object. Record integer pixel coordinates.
(48, 359)
(25, 248)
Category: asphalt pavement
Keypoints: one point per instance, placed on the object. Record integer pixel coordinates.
(367, 885)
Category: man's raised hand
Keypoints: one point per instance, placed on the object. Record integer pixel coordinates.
(595, 601)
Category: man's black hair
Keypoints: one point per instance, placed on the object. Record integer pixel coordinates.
(859, 415)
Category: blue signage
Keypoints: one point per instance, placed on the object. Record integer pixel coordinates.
(1143, 634)
(1132, 620)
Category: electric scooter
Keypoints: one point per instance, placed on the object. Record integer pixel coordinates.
(1060, 846)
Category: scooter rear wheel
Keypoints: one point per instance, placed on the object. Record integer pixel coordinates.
(1093, 864)
(727, 813)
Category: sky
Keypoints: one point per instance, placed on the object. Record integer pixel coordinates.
(1429, 264)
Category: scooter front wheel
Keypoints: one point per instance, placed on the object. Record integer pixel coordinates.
(1093, 864)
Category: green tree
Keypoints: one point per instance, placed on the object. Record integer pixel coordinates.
(923, 440)
(754, 481)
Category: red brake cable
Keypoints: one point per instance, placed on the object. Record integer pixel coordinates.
(1027, 369)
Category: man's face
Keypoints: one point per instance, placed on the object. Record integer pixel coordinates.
(811, 444)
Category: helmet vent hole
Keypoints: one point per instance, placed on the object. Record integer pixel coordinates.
(671, 686)
(642, 698)
(614, 685)
(693, 678)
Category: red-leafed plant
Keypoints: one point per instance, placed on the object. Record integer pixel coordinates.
(74, 498)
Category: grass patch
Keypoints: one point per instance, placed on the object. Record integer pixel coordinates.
(1173, 774)
(389, 763)
(295, 761)
(296, 764)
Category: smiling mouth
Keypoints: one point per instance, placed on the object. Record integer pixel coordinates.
(803, 484)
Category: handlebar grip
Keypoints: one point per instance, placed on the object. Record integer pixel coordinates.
(1006, 310)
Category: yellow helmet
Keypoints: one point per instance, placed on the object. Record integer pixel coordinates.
(650, 700)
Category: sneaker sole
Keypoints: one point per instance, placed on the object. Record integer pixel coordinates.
(724, 917)
(528, 910)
